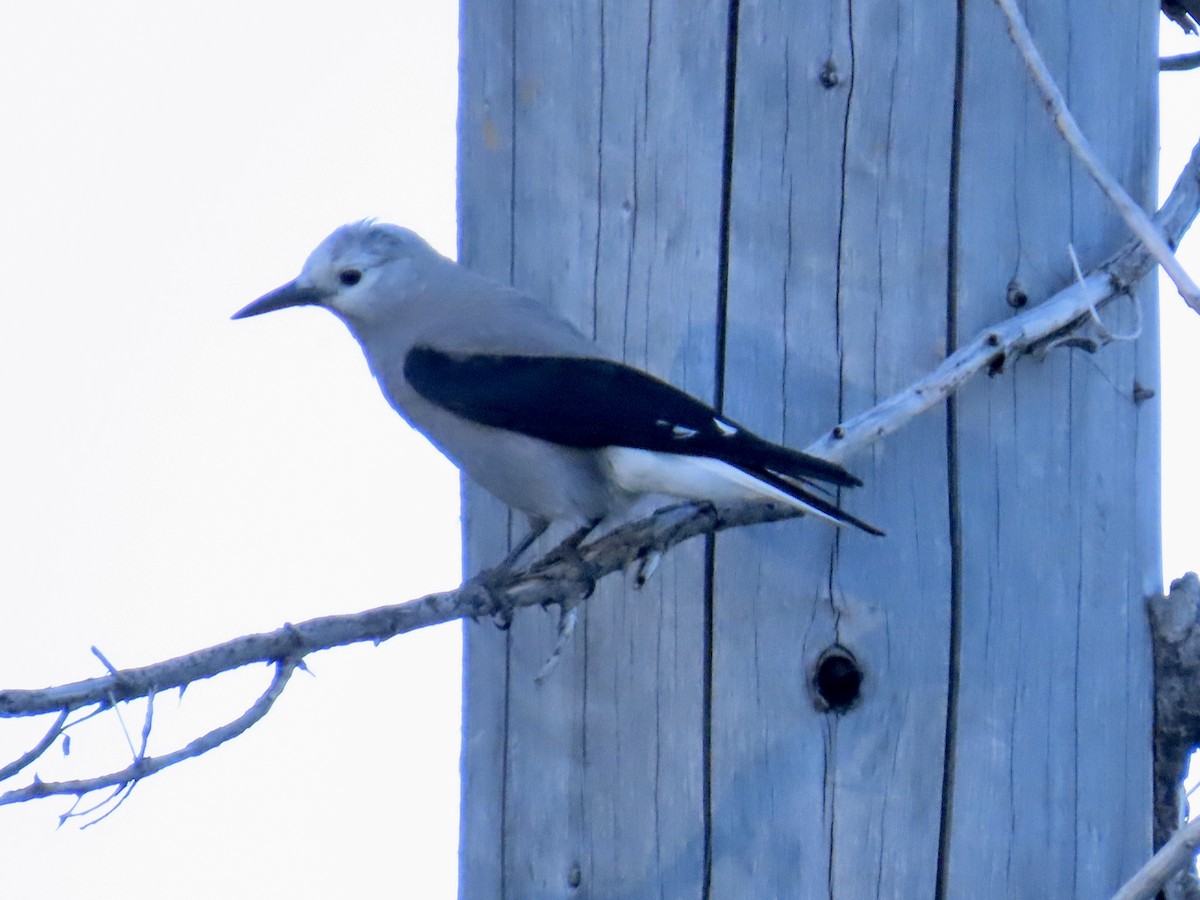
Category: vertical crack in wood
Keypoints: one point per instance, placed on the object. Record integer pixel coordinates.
(505, 763)
(710, 552)
(599, 180)
(829, 794)
(954, 520)
(512, 154)
(505, 766)
(829, 748)
(710, 547)
(726, 200)
(841, 223)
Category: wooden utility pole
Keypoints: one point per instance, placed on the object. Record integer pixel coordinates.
(795, 209)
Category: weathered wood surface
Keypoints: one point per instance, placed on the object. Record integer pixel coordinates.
(614, 151)
(837, 299)
(678, 748)
(1058, 479)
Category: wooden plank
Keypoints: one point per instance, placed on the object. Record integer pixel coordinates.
(485, 244)
(1054, 680)
(615, 216)
(591, 170)
(838, 243)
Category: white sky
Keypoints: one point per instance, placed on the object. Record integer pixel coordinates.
(169, 479)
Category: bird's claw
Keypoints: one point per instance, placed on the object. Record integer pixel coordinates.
(568, 615)
(496, 601)
(642, 568)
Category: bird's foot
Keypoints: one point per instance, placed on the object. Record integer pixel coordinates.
(497, 603)
(499, 578)
(644, 562)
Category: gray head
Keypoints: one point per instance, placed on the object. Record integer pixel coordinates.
(342, 271)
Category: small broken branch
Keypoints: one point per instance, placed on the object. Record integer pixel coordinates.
(1135, 217)
(1181, 63)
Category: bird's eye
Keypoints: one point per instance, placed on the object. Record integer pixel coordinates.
(349, 277)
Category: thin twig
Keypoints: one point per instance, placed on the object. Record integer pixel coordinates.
(148, 765)
(117, 799)
(38, 749)
(76, 813)
(1135, 217)
(104, 660)
(114, 802)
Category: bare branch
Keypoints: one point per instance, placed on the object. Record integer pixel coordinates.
(991, 348)
(37, 750)
(1135, 217)
(143, 766)
(1181, 63)
(987, 350)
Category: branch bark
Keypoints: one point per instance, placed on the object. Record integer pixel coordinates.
(1175, 632)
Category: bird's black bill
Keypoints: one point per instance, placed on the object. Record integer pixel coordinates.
(291, 294)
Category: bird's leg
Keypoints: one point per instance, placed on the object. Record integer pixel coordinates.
(492, 578)
(537, 527)
(567, 550)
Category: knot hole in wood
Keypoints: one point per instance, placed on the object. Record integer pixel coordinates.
(837, 680)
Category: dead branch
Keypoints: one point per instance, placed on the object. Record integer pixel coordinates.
(1175, 636)
(1182, 63)
(990, 349)
(143, 765)
(1135, 217)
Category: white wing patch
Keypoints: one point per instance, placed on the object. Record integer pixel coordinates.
(725, 428)
(693, 478)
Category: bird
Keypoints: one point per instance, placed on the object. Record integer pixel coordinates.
(526, 405)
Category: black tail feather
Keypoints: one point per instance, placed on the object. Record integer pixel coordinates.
(748, 449)
(808, 498)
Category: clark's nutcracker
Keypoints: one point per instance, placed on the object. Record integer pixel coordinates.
(525, 404)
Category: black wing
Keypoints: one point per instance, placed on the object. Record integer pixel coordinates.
(589, 402)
